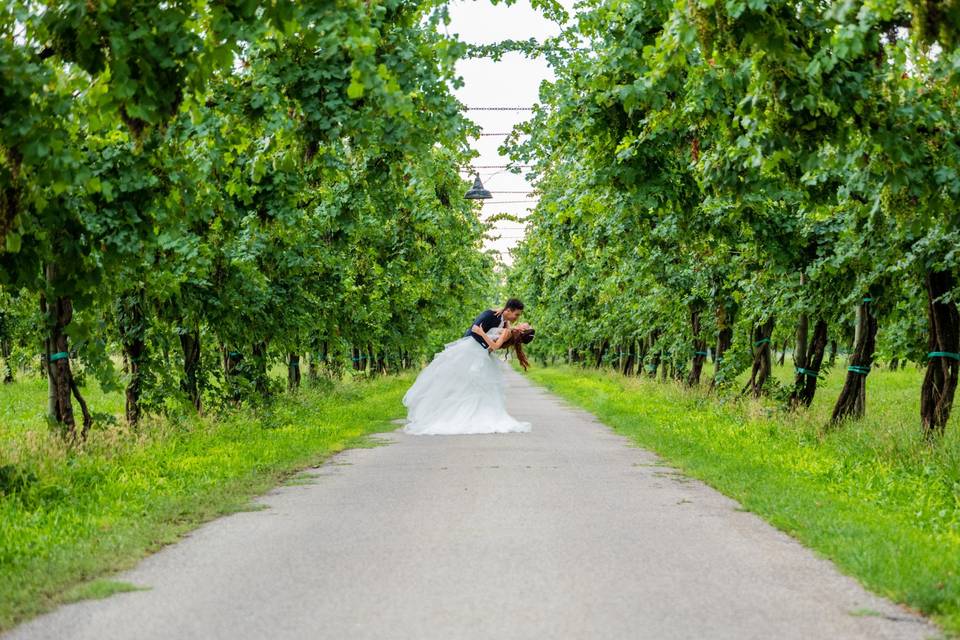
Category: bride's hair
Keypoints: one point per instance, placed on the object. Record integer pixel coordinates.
(518, 338)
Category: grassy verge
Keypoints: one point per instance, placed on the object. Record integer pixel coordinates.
(871, 496)
(77, 517)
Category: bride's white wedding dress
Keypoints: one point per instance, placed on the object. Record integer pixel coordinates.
(461, 391)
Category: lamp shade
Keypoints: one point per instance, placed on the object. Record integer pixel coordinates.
(477, 192)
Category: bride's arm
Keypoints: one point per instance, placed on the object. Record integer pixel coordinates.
(500, 340)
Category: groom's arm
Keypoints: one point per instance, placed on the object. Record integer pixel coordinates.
(477, 329)
(487, 317)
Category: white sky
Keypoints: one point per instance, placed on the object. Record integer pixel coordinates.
(514, 81)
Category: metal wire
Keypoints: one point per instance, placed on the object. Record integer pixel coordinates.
(496, 166)
(498, 108)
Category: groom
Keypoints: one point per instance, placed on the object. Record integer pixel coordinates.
(494, 318)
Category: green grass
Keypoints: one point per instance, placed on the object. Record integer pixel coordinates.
(99, 589)
(79, 516)
(871, 495)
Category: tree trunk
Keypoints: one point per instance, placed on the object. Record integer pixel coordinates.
(761, 358)
(724, 340)
(943, 359)
(332, 366)
(57, 358)
(654, 364)
(803, 330)
(189, 383)
(87, 418)
(133, 342)
(649, 341)
(699, 346)
(833, 353)
(802, 327)
(313, 362)
(853, 396)
(371, 361)
(231, 359)
(293, 372)
(643, 350)
(52, 404)
(808, 364)
(601, 352)
(381, 363)
(630, 359)
(6, 350)
(260, 381)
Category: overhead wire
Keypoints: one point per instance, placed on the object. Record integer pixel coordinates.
(496, 166)
(474, 168)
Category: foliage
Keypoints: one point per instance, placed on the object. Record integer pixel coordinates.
(262, 179)
(707, 165)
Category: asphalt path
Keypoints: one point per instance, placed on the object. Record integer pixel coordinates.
(568, 531)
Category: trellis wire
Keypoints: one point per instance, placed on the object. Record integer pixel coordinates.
(496, 166)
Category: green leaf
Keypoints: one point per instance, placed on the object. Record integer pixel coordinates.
(13, 242)
(355, 90)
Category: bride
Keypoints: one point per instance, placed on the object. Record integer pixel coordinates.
(462, 390)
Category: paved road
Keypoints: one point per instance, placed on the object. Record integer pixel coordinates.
(564, 532)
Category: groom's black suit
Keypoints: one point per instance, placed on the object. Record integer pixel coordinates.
(487, 320)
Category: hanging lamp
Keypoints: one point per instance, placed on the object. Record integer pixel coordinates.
(477, 192)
